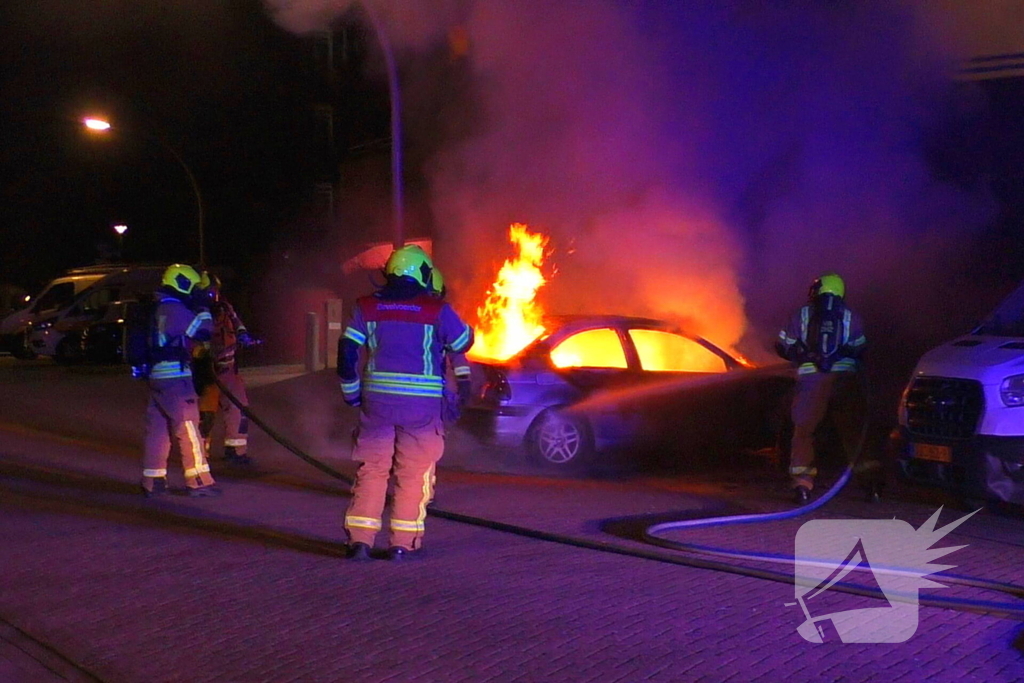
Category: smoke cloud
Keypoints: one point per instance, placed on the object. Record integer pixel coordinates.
(702, 161)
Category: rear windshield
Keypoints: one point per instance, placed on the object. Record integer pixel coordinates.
(1008, 318)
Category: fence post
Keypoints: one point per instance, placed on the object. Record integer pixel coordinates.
(333, 316)
(313, 363)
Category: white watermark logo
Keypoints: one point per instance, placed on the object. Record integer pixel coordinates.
(887, 556)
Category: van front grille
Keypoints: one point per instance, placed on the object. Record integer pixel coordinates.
(944, 407)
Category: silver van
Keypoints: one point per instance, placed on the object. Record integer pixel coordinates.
(59, 334)
(54, 296)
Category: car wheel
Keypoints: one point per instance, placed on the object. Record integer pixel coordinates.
(21, 350)
(68, 351)
(559, 441)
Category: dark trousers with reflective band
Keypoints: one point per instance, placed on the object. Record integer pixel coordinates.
(404, 437)
(838, 396)
(173, 413)
(212, 401)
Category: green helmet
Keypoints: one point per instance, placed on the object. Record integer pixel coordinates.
(181, 278)
(829, 283)
(412, 262)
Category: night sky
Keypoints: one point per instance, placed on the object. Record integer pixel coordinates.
(218, 82)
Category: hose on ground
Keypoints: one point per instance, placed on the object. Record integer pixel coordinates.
(1002, 610)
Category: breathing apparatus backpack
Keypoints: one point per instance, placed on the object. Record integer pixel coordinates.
(141, 350)
(826, 329)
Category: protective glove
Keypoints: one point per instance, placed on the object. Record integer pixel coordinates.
(140, 371)
(451, 411)
(465, 389)
(246, 339)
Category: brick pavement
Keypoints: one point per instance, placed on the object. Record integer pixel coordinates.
(250, 587)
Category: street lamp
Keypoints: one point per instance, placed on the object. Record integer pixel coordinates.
(100, 125)
(120, 229)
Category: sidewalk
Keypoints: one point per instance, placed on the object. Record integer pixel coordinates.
(252, 586)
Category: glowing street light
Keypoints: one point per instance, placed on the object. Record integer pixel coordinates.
(120, 229)
(96, 124)
(100, 125)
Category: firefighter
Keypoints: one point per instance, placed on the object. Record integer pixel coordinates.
(216, 360)
(173, 410)
(825, 341)
(404, 330)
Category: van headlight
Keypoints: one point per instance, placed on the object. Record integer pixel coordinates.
(1012, 391)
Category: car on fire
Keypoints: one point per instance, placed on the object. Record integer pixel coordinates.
(596, 384)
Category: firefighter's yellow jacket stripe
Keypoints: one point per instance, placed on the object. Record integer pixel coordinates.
(356, 522)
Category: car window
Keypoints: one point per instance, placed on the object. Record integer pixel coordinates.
(667, 352)
(99, 300)
(599, 348)
(55, 297)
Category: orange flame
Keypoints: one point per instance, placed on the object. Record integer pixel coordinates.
(510, 317)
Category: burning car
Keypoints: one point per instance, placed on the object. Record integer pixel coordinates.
(591, 384)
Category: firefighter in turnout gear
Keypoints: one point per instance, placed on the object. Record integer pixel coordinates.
(173, 405)
(403, 332)
(825, 341)
(216, 360)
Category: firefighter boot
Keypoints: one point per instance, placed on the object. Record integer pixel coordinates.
(801, 495)
(360, 552)
(235, 458)
(159, 488)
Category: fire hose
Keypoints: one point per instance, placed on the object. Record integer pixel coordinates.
(689, 554)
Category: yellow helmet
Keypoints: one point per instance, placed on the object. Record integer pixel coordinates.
(437, 281)
(181, 278)
(412, 262)
(829, 283)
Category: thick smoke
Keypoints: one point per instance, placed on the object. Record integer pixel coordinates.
(702, 161)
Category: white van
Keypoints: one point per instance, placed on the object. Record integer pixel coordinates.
(53, 297)
(962, 413)
(59, 335)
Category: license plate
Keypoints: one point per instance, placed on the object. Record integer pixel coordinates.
(927, 451)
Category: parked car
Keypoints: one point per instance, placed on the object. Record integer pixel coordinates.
(57, 294)
(598, 383)
(60, 335)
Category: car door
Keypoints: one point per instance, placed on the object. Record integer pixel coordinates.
(695, 402)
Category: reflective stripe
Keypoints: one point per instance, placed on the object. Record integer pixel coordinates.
(460, 344)
(196, 471)
(847, 321)
(350, 387)
(355, 335)
(807, 369)
(404, 384)
(406, 525)
(197, 450)
(197, 323)
(427, 493)
(805, 318)
(812, 471)
(428, 356)
(372, 341)
(236, 442)
(154, 473)
(356, 522)
(170, 369)
(462, 371)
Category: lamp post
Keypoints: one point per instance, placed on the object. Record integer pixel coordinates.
(120, 229)
(101, 125)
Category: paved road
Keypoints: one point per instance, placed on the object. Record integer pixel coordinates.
(97, 583)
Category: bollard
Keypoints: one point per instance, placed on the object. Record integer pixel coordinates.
(332, 315)
(313, 363)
